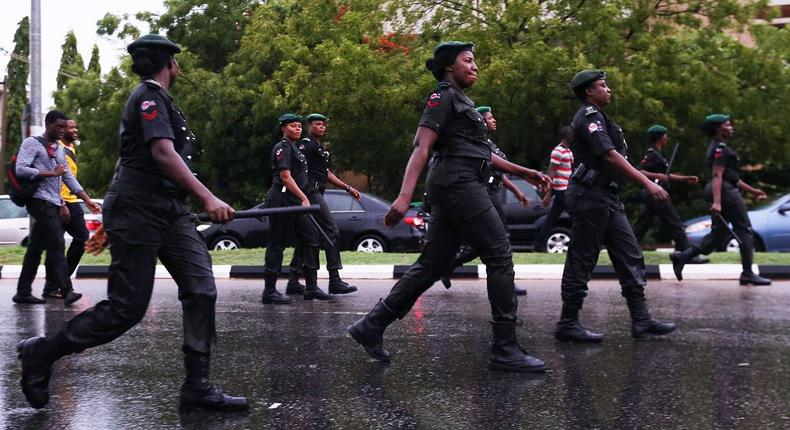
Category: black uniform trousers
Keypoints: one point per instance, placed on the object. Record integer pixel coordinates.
(461, 208)
(599, 219)
(667, 213)
(327, 223)
(284, 229)
(46, 233)
(733, 210)
(79, 233)
(466, 253)
(141, 226)
(557, 207)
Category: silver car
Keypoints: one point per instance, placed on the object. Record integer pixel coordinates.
(15, 224)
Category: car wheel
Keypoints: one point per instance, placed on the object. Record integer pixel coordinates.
(557, 242)
(370, 243)
(225, 243)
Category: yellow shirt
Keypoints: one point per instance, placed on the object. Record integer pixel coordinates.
(71, 160)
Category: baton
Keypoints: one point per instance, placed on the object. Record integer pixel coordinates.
(671, 160)
(328, 240)
(260, 213)
(732, 232)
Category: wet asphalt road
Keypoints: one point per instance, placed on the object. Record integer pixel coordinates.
(727, 366)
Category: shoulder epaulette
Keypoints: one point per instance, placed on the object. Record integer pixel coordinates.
(590, 110)
(444, 85)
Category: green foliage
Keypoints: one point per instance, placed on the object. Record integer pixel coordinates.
(71, 64)
(16, 90)
(94, 65)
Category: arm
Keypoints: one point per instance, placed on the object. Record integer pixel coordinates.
(75, 187)
(672, 177)
(290, 185)
(515, 190)
(623, 167)
(756, 192)
(716, 182)
(541, 181)
(174, 168)
(334, 180)
(24, 162)
(423, 143)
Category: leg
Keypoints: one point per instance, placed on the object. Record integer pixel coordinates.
(557, 207)
(333, 262)
(35, 247)
(645, 217)
(49, 233)
(735, 212)
(274, 260)
(308, 236)
(79, 232)
(294, 270)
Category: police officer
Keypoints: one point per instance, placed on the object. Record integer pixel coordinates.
(722, 192)
(655, 167)
(318, 174)
(494, 183)
(461, 207)
(598, 215)
(145, 218)
(289, 188)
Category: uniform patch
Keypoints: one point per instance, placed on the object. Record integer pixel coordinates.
(592, 127)
(279, 154)
(150, 116)
(719, 153)
(434, 99)
(147, 104)
(589, 110)
(301, 147)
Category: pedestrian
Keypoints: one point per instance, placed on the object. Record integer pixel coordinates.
(655, 166)
(318, 174)
(461, 208)
(75, 225)
(145, 218)
(598, 215)
(290, 188)
(494, 184)
(560, 168)
(723, 193)
(41, 158)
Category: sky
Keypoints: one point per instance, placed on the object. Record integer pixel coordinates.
(58, 17)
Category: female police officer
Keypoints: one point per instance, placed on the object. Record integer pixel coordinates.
(289, 185)
(145, 217)
(722, 192)
(461, 207)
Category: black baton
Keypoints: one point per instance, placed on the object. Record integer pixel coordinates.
(260, 213)
(671, 160)
(732, 232)
(328, 240)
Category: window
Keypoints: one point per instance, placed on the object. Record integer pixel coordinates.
(9, 210)
(341, 202)
(525, 187)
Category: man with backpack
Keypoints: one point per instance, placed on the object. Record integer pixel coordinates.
(42, 160)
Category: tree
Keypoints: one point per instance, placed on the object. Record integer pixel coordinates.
(94, 65)
(71, 63)
(16, 90)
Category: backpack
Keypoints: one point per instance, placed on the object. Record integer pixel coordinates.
(20, 190)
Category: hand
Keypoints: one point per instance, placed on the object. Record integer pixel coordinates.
(60, 170)
(353, 191)
(658, 193)
(715, 208)
(522, 199)
(96, 244)
(547, 199)
(64, 214)
(397, 211)
(93, 207)
(691, 179)
(305, 203)
(540, 180)
(218, 211)
(759, 194)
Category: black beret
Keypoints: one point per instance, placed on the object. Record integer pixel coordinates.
(289, 117)
(316, 117)
(154, 41)
(444, 55)
(586, 76)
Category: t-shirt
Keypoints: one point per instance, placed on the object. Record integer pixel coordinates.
(562, 160)
(71, 159)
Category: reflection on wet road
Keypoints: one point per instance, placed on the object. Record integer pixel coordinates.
(727, 366)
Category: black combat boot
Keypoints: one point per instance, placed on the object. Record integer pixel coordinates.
(337, 286)
(680, 259)
(507, 355)
(749, 278)
(311, 291)
(37, 355)
(642, 324)
(270, 294)
(570, 330)
(369, 330)
(27, 300)
(294, 286)
(198, 393)
(71, 297)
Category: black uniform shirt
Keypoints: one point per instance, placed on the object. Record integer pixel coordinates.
(495, 180)
(151, 114)
(595, 134)
(285, 156)
(318, 160)
(719, 154)
(461, 128)
(654, 162)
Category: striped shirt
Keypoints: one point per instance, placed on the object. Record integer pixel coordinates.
(562, 161)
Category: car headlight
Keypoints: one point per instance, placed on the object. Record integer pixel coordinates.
(202, 227)
(698, 226)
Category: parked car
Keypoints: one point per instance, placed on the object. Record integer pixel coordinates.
(770, 223)
(361, 227)
(15, 224)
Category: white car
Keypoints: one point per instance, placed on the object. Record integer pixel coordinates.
(15, 224)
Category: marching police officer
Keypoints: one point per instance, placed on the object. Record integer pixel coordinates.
(598, 214)
(494, 183)
(461, 208)
(145, 217)
(318, 174)
(655, 166)
(290, 188)
(723, 194)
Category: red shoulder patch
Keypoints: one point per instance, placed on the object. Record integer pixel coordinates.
(279, 154)
(434, 99)
(150, 116)
(719, 153)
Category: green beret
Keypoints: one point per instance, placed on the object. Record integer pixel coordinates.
(483, 109)
(586, 76)
(657, 130)
(289, 117)
(453, 45)
(316, 117)
(717, 118)
(153, 41)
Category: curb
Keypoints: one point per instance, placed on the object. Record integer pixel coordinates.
(387, 271)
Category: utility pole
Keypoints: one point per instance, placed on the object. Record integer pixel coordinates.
(36, 118)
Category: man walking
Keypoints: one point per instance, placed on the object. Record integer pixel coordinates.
(560, 168)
